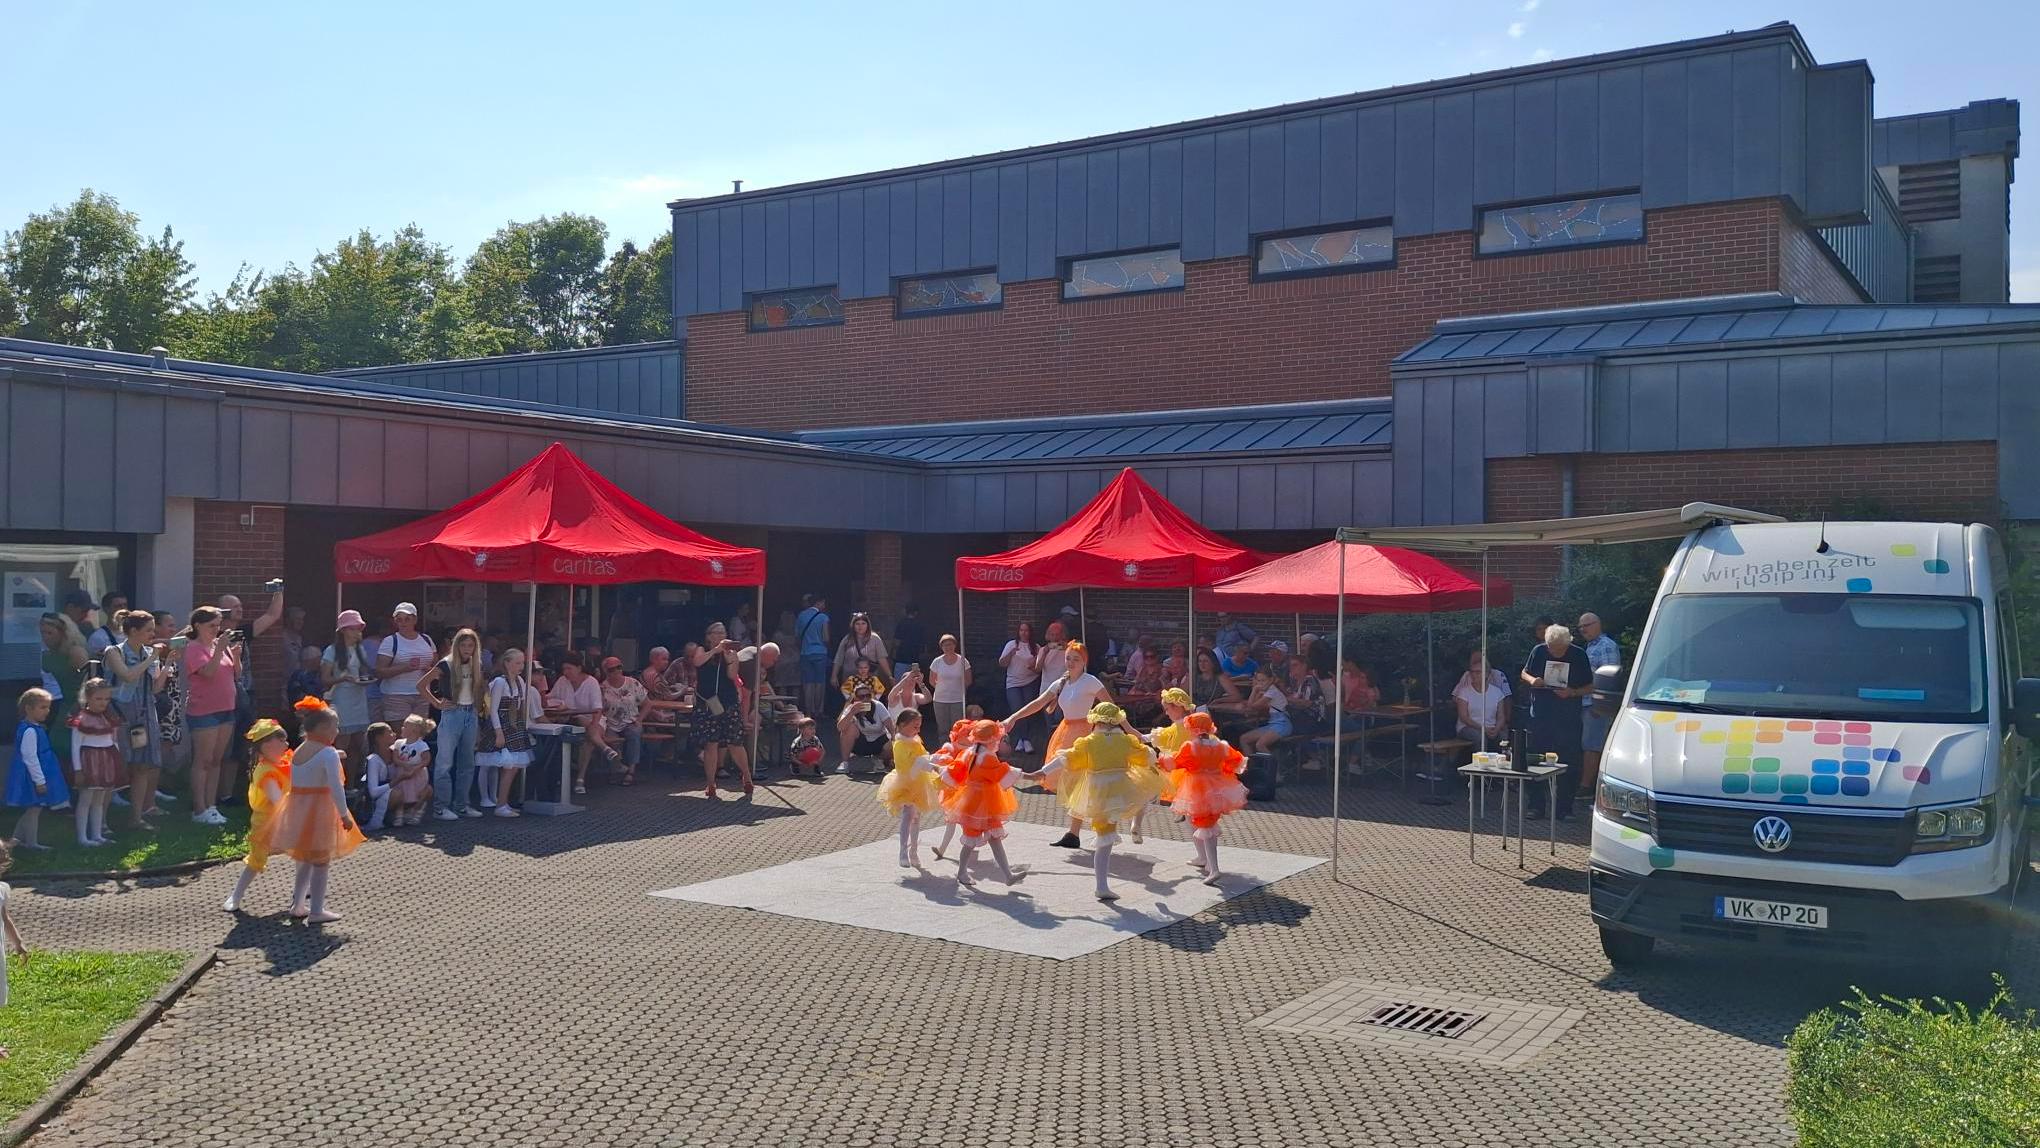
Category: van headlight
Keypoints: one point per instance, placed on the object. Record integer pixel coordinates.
(1622, 802)
(1952, 827)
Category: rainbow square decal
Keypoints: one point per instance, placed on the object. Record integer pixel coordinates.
(1826, 765)
(1793, 783)
(1827, 786)
(1856, 768)
(1735, 783)
(1764, 783)
(1855, 787)
(1765, 764)
(1735, 765)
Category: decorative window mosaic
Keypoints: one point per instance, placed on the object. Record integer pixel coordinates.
(807, 307)
(1340, 250)
(1568, 223)
(1124, 274)
(937, 293)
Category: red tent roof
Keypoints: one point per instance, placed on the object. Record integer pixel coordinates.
(1379, 580)
(1129, 537)
(555, 519)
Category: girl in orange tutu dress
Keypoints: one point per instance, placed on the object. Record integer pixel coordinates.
(912, 787)
(1104, 779)
(983, 802)
(1207, 787)
(949, 759)
(267, 782)
(312, 824)
(1073, 695)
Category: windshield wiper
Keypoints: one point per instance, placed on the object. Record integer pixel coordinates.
(1702, 707)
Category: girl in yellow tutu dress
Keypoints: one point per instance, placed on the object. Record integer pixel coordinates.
(912, 788)
(1073, 694)
(1104, 778)
(1166, 740)
(984, 800)
(311, 824)
(1207, 787)
(267, 782)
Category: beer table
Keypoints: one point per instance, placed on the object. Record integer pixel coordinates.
(1520, 780)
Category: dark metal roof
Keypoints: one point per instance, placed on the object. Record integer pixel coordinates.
(1689, 324)
(1984, 127)
(517, 359)
(1342, 425)
(1780, 29)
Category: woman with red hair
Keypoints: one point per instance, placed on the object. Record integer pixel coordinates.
(1073, 694)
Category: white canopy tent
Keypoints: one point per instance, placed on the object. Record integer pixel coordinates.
(1595, 530)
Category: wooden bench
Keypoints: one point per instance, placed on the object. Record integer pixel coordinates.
(1442, 755)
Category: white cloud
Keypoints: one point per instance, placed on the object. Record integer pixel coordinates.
(1530, 5)
(1516, 30)
(1540, 55)
(2026, 284)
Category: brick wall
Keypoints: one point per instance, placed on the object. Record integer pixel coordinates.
(1224, 339)
(229, 558)
(1808, 270)
(1954, 482)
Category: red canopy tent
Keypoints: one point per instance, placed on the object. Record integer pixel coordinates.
(1377, 580)
(1128, 538)
(555, 520)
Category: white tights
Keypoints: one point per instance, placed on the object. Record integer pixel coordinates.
(970, 848)
(90, 815)
(910, 830)
(1207, 853)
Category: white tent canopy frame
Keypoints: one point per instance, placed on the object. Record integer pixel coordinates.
(1480, 538)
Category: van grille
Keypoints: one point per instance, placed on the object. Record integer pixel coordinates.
(1834, 838)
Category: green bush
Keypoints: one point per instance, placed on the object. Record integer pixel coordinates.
(1907, 1074)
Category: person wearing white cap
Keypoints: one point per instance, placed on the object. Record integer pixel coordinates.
(400, 660)
(346, 670)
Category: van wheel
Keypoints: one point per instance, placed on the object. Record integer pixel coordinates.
(1626, 949)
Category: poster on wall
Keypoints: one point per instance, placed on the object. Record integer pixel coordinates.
(30, 595)
(454, 605)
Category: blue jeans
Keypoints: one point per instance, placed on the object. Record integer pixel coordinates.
(453, 762)
(633, 738)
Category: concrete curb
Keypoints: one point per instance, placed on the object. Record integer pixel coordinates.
(104, 1053)
(29, 880)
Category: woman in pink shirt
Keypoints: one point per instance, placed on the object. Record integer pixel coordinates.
(210, 675)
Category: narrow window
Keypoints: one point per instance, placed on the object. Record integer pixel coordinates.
(1318, 252)
(1124, 274)
(807, 307)
(1565, 223)
(936, 294)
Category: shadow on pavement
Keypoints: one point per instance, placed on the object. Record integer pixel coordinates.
(289, 946)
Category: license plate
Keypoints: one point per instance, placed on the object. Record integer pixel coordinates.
(1780, 913)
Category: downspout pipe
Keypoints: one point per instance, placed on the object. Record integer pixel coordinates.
(1565, 510)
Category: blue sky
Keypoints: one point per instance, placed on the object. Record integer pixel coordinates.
(264, 132)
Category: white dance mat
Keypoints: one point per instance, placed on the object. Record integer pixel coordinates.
(1051, 912)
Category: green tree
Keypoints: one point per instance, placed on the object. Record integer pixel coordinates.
(540, 281)
(635, 305)
(367, 302)
(84, 274)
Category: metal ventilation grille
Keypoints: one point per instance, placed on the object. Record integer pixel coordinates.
(1937, 279)
(1423, 1019)
(1928, 191)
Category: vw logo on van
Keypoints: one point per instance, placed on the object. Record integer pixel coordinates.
(1773, 834)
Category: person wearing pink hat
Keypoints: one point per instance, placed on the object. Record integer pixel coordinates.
(348, 668)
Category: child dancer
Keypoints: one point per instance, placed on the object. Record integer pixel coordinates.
(412, 786)
(806, 750)
(1166, 740)
(267, 782)
(983, 802)
(1207, 787)
(1104, 778)
(912, 788)
(97, 764)
(34, 783)
(377, 774)
(952, 763)
(311, 824)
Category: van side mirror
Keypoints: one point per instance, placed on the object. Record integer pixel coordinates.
(2026, 708)
(1610, 682)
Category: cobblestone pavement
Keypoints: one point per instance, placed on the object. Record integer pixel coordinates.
(512, 983)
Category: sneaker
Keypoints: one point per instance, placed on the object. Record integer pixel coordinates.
(120, 799)
(580, 789)
(488, 803)
(470, 812)
(843, 767)
(506, 811)
(163, 798)
(200, 818)
(447, 815)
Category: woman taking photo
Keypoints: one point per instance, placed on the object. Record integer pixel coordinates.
(63, 674)
(139, 667)
(455, 688)
(210, 689)
(860, 644)
(718, 714)
(346, 670)
(1022, 678)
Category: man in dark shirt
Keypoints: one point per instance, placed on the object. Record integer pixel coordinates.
(1558, 675)
(910, 640)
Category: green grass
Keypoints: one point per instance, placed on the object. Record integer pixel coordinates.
(61, 1004)
(177, 838)
(1907, 1074)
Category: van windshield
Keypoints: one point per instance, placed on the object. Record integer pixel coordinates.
(1878, 657)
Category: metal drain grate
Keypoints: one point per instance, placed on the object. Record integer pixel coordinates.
(1403, 1016)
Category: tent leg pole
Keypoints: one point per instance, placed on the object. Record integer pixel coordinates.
(1484, 667)
(758, 709)
(1299, 635)
(531, 634)
(1083, 619)
(1431, 710)
(1338, 709)
(1191, 593)
(339, 598)
(959, 618)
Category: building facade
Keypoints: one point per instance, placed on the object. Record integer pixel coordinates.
(1702, 269)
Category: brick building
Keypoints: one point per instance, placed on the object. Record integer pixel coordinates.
(1701, 269)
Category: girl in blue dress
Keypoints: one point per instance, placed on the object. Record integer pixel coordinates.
(34, 783)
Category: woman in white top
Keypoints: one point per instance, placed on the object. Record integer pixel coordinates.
(1022, 675)
(346, 668)
(400, 660)
(1483, 710)
(1073, 694)
(951, 674)
(859, 644)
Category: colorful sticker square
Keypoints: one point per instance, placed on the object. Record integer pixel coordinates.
(1743, 725)
(1827, 739)
(1917, 773)
(1735, 765)
(1663, 716)
(1769, 737)
(1882, 753)
(1660, 857)
(1686, 727)
(1855, 739)
(1855, 753)
(1799, 726)
(1856, 727)
(1859, 585)
(1903, 550)
(1765, 764)
(1735, 783)
(1764, 783)
(1771, 725)
(1827, 786)
(1855, 787)
(1826, 765)
(1856, 769)
(1935, 565)
(1793, 783)
(1713, 737)
(1794, 799)
(1828, 726)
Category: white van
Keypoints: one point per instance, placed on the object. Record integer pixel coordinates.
(1822, 745)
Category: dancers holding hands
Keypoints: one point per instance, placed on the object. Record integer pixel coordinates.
(1104, 778)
